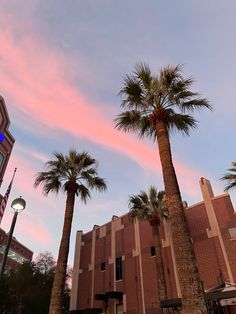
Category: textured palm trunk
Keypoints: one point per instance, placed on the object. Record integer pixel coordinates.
(60, 273)
(190, 283)
(159, 264)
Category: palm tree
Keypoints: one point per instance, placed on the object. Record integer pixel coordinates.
(154, 106)
(151, 207)
(230, 177)
(74, 173)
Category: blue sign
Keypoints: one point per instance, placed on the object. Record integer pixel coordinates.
(1, 137)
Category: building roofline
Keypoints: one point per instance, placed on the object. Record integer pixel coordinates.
(3, 104)
(17, 241)
(212, 198)
(189, 207)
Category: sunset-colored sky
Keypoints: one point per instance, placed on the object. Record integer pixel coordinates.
(62, 64)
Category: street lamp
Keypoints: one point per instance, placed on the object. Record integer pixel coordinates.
(17, 206)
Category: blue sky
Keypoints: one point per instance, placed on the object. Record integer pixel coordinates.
(62, 64)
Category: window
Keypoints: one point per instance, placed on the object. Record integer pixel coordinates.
(119, 268)
(1, 160)
(13, 255)
(103, 266)
(153, 251)
(232, 232)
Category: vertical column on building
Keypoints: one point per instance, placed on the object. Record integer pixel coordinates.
(214, 230)
(92, 264)
(137, 252)
(115, 226)
(169, 242)
(113, 252)
(76, 271)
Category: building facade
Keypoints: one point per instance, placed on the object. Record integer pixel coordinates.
(18, 253)
(114, 264)
(6, 145)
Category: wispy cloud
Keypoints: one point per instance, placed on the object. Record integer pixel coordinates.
(31, 152)
(42, 87)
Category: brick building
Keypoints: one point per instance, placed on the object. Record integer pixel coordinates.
(114, 264)
(18, 253)
(7, 144)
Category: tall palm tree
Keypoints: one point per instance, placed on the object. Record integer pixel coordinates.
(74, 173)
(230, 177)
(151, 207)
(154, 106)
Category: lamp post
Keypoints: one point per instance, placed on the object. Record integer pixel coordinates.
(17, 205)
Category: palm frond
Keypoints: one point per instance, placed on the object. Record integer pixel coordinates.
(66, 170)
(150, 97)
(40, 178)
(230, 178)
(49, 180)
(131, 94)
(83, 161)
(83, 192)
(183, 95)
(96, 183)
(169, 74)
(146, 128)
(230, 185)
(132, 215)
(181, 122)
(143, 73)
(90, 172)
(135, 201)
(53, 185)
(179, 90)
(128, 121)
(233, 168)
(161, 196)
(153, 194)
(195, 104)
(143, 196)
(133, 121)
(149, 206)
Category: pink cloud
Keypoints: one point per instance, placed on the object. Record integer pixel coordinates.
(35, 77)
(24, 180)
(24, 177)
(31, 223)
(35, 232)
(32, 234)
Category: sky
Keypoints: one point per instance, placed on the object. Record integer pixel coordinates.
(62, 64)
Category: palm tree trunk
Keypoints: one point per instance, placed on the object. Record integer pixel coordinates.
(159, 264)
(60, 273)
(190, 283)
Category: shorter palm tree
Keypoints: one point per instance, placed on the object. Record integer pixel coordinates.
(151, 207)
(230, 177)
(74, 173)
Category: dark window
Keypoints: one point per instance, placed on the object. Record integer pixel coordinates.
(153, 251)
(103, 266)
(119, 268)
(1, 160)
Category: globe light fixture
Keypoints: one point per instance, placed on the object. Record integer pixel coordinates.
(18, 204)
